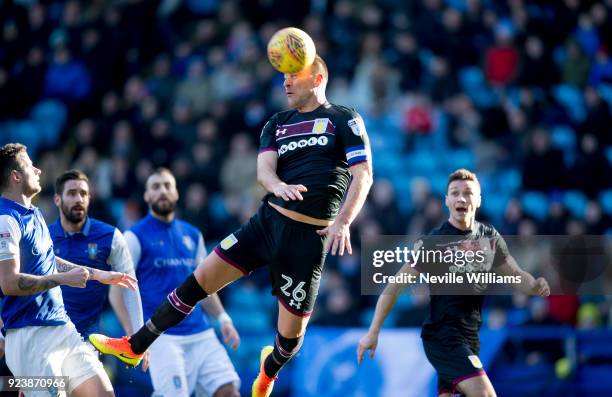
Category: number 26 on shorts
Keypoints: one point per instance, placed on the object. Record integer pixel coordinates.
(298, 295)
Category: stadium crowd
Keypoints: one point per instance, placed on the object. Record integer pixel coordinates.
(518, 91)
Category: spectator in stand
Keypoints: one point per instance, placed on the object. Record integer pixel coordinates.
(537, 69)
(601, 70)
(67, 78)
(598, 119)
(405, 57)
(384, 207)
(442, 84)
(575, 68)
(513, 214)
(238, 172)
(543, 168)
(195, 89)
(502, 60)
(591, 171)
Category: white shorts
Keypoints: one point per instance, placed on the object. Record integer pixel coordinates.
(52, 351)
(180, 365)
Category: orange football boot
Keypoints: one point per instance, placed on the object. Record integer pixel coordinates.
(118, 347)
(263, 385)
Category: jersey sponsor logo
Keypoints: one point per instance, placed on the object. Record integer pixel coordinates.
(475, 361)
(167, 262)
(92, 250)
(228, 242)
(5, 235)
(320, 126)
(357, 126)
(280, 132)
(188, 243)
(302, 143)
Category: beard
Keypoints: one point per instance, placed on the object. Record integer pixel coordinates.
(73, 217)
(163, 208)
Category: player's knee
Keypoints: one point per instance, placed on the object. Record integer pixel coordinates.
(227, 390)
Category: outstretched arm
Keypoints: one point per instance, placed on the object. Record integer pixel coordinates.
(15, 283)
(529, 285)
(111, 278)
(12, 281)
(385, 303)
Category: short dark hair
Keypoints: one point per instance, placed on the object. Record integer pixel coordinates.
(70, 175)
(319, 66)
(158, 171)
(9, 162)
(162, 170)
(462, 175)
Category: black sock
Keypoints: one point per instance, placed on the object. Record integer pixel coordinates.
(284, 349)
(169, 313)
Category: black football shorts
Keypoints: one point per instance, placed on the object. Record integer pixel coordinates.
(292, 250)
(453, 363)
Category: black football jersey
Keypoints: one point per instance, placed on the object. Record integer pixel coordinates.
(455, 318)
(316, 149)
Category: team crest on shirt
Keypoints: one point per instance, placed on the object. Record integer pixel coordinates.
(228, 242)
(320, 126)
(188, 243)
(92, 250)
(357, 126)
(475, 361)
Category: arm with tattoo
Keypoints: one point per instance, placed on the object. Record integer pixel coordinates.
(64, 266)
(16, 283)
(29, 284)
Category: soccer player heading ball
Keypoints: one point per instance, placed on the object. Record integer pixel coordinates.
(308, 155)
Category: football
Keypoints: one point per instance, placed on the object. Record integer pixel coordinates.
(290, 50)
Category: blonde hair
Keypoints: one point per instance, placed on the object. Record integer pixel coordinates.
(319, 66)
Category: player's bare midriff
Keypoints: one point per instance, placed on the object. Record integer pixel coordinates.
(296, 216)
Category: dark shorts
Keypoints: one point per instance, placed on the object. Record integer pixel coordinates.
(453, 364)
(292, 250)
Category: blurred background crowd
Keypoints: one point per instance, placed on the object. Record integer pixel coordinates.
(518, 91)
